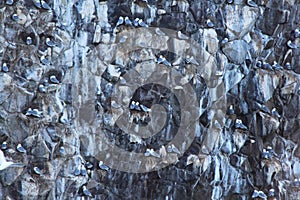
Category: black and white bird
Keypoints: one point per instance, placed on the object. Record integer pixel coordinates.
(267, 66)
(120, 21)
(251, 3)
(230, 110)
(38, 171)
(49, 42)
(45, 61)
(127, 21)
(224, 41)
(268, 153)
(15, 17)
(34, 112)
(28, 40)
(172, 148)
(37, 3)
(271, 192)
(42, 88)
(162, 60)
(296, 182)
(291, 45)
(277, 66)
(21, 149)
(5, 164)
(182, 36)
(239, 124)
(142, 23)
(259, 64)
(4, 67)
(9, 2)
(4, 145)
(151, 152)
(54, 80)
(86, 192)
(41, 4)
(259, 194)
(103, 166)
(261, 106)
(89, 165)
(45, 5)
(135, 106)
(136, 22)
(275, 113)
(288, 66)
(209, 23)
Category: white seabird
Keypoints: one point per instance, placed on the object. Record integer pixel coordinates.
(127, 21)
(162, 60)
(49, 42)
(53, 79)
(28, 40)
(291, 45)
(120, 21)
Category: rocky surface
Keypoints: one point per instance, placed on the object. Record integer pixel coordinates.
(224, 74)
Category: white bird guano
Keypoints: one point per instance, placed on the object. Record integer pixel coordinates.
(5, 164)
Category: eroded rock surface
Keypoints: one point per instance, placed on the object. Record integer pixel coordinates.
(69, 69)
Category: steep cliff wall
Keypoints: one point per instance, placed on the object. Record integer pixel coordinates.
(143, 99)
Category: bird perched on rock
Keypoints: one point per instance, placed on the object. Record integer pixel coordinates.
(49, 42)
(28, 40)
(162, 60)
(103, 166)
(251, 3)
(288, 66)
(4, 145)
(259, 194)
(291, 45)
(151, 152)
(127, 21)
(9, 2)
(37, 171)
(5, 68)
(54, 80)
(239, 124)
(5, 164)
(136, 22)
(120, 21)
(209, 23)
(41, 4)
(172, 148)
(86, 192)
(142, 23)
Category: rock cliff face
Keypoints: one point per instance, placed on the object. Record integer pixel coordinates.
(143, 99)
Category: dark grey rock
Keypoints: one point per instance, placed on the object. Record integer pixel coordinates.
(270, 19)
(10, 175)
(66, 63)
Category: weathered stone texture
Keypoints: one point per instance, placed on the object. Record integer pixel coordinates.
(69, 69)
